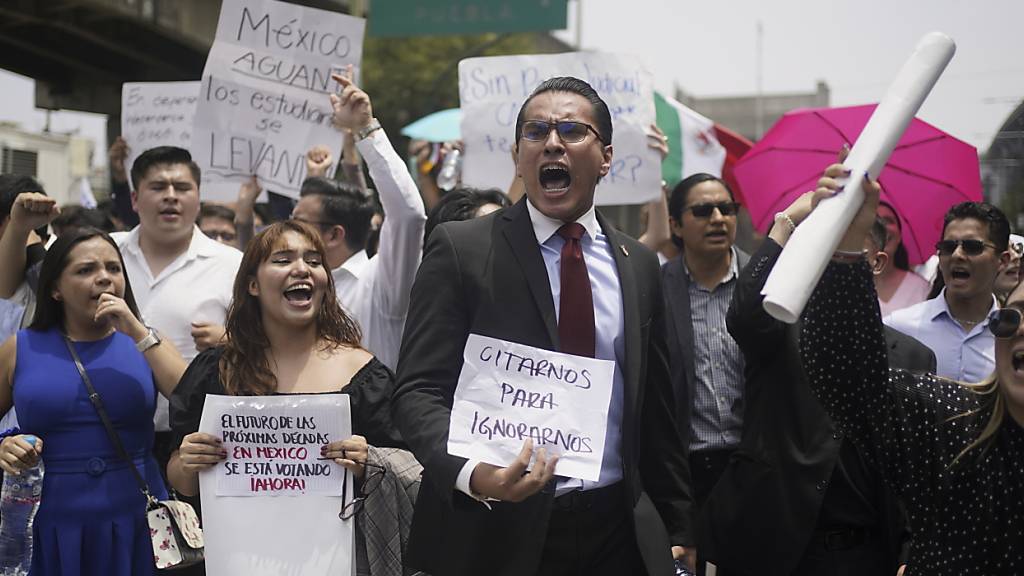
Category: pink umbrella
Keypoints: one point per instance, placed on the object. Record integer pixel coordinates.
(928, 172)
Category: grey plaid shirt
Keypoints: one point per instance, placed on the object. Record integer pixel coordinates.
(717, 417)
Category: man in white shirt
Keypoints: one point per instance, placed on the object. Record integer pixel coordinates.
(373, 291)
(181, 279)
(954, 324)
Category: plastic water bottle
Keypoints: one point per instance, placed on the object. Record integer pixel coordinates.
(451, 169)
(19, 501)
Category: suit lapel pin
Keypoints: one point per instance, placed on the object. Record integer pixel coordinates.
(624, 251)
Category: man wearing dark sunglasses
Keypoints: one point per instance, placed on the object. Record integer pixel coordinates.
(552, 273)
(972, 253)
(706, 363)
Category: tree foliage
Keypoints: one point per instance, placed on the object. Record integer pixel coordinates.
(408, 78)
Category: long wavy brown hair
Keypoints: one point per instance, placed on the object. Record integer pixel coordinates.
(244, 367)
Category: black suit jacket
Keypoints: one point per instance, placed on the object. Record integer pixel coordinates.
(761, 515)
(680, 336)
(487, 276)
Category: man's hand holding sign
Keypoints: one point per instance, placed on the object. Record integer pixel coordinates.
(514, 400)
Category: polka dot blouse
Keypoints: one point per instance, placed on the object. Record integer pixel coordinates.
(967, 518)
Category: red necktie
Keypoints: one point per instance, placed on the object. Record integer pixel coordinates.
(576, 301)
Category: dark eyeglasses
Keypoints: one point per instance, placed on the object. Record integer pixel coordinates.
(569, 132)
(971, 247)
(1005, 322)
(374, 475)
(705, 210)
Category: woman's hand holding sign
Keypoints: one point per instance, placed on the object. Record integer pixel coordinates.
(200, 451)
(350, 453)
(514, 483)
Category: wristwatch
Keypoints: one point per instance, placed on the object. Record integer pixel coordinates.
(148, 342)
(370, 128)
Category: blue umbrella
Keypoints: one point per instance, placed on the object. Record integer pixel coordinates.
(440, 126)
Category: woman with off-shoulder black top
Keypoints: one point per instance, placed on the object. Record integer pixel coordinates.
(952, 451)
(286, 334)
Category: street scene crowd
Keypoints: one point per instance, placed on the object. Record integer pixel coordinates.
(882, 433)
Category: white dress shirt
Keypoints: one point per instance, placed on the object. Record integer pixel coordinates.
(964, 355)
(610, 339)
(375, 291)
(196, 287)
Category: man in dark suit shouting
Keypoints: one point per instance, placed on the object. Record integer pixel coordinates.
(548, 272)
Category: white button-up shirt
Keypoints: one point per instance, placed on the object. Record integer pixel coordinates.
(610, 339)
(196, 287)
(375, 291)
(964, 355)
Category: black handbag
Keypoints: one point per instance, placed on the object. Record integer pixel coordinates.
(173, 525)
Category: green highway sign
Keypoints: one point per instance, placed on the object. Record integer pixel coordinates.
(440, 17)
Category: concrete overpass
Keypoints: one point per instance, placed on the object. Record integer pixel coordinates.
(79, 52)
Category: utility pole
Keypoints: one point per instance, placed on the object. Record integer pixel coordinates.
(759, 101)
(579, 24)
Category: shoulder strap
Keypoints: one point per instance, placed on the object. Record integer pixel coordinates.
(97, 403)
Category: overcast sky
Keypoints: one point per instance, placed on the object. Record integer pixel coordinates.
(709, 49)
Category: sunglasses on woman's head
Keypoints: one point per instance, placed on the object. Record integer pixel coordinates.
(705, 210)
(971, 247)
(1005, 322)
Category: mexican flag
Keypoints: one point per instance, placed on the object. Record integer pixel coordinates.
(696, 143)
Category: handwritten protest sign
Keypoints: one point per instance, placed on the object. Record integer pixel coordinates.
(275, 451)
(157, 114)
(492, 89)
(263, 100)
(508, 393)
(249, 526)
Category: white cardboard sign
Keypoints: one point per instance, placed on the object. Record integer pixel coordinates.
(260, 532)
(508, 393)
(492, 90)
(274, 445)
(264, 100)
(157, 114)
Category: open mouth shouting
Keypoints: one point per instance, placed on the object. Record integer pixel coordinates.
(299, 295)
(718, 234)
(555, 178)
(959, 275)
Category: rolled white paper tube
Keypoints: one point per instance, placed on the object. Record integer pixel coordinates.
(812, 244)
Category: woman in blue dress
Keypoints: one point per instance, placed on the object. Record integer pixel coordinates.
(91, 519)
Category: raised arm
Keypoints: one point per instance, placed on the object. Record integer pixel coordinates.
(658, 231)
(352, 164)
(164, 359)
(31, 210)
(908, 423)
(753, 329)
(401, 237)
(245, 212)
